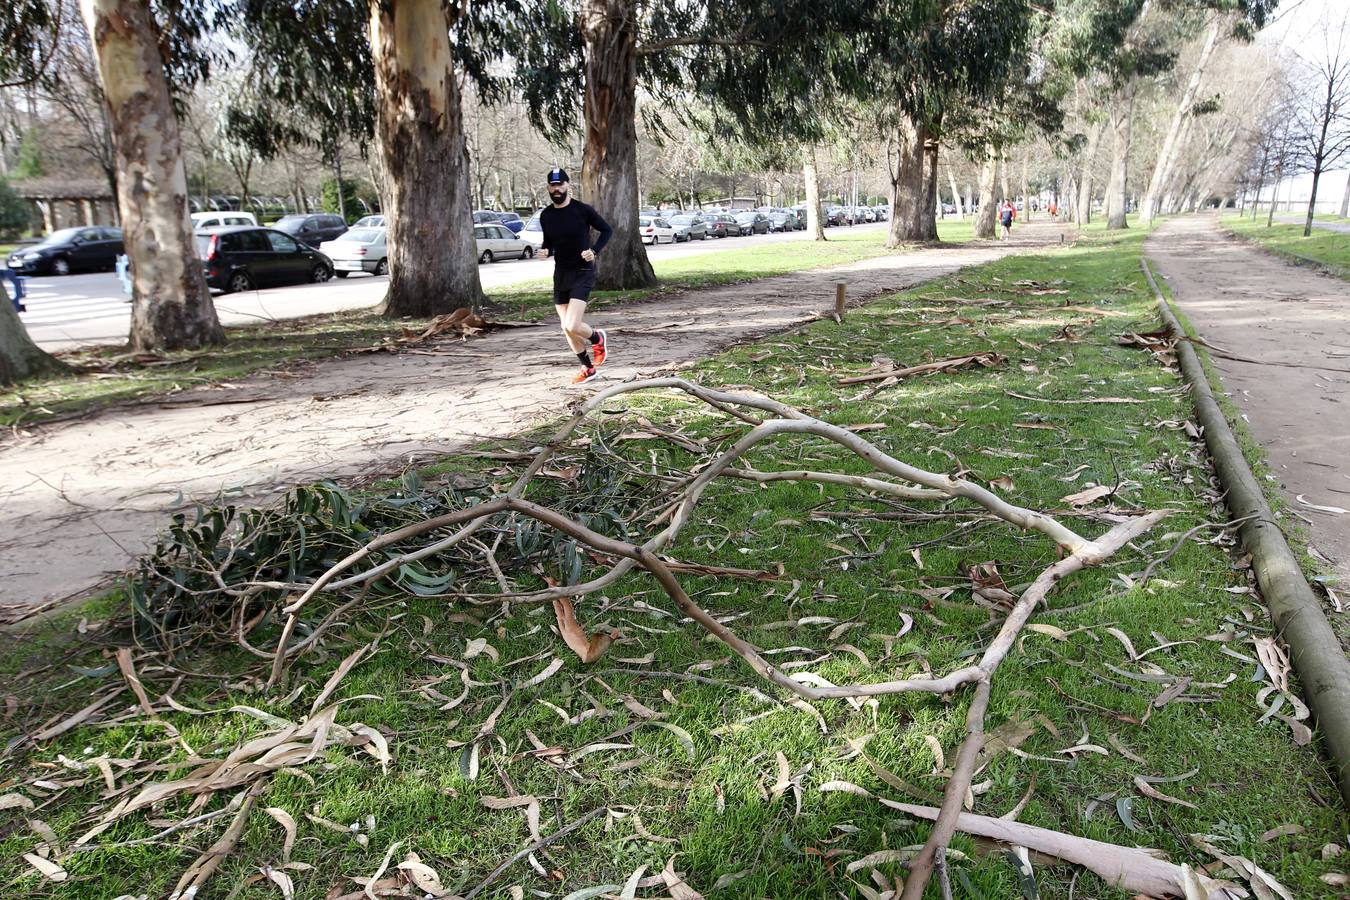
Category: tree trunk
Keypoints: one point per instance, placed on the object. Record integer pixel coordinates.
(956, 194)
(20, 358)
(1312, 200)
(1082, 208)
(986, 217)
(1122, 119)
(912, 216)
(171, 307)
(1275, 193)
(1162, 169)
(433, 257)
(1026, 191)
(609, 164)
(815, 220)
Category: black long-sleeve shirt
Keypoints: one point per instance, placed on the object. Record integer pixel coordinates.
(567, 232)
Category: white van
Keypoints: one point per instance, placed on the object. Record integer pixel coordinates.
(201, 220)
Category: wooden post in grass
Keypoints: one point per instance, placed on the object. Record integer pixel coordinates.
(840, 289)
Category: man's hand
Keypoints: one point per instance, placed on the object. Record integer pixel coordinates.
(588, 255)
(543, 253)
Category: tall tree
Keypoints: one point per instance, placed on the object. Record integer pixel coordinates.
(1323, 117)
(171, 307)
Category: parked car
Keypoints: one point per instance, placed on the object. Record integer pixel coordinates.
(313, 228)
(512, 221)
(533, 232)
(688, 228)
(499, 242)
(371, 222)
(70, 250)
(359, 250)
(783, 220)
(834, 215)
(655, 230)
(752, 222)
(800, 210)
(202, 220)
(883, 213)
(722, 225)
(242, 258)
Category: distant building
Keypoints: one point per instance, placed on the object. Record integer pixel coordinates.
(1292, 193)
(67, 202)
(734, 202)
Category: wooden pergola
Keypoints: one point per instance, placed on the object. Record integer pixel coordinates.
(68, 202)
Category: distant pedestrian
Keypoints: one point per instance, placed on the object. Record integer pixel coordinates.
(567, 228)
(1006, 214)
(17, 283)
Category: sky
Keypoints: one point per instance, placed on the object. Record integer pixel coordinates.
(1298, 24)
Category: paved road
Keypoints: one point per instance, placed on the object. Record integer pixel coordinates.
(1343, 227)
(91, 309)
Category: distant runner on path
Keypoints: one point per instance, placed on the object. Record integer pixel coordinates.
(1006, 216)
(567, 228)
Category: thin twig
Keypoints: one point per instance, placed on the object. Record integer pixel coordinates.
(536, 846)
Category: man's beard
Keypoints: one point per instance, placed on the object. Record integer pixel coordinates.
(558, 196)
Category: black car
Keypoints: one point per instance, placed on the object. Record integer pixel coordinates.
(313, 228)
(243, 258)
(752, 222)
(70, 250)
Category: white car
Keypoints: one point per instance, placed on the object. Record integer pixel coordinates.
(201, 220)
(533, 232)
(655, 230)
(359, 250)
(499, 242)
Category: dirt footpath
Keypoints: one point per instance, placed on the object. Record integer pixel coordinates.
(80, 501)
(1253, 304)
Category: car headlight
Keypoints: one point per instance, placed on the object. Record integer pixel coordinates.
(30, 256)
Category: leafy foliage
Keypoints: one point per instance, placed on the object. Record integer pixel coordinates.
(202, 579)
(14, 213)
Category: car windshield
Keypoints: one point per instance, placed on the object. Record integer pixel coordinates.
(509, 217)
(533, 224)
(644, 223)
(61, 237)
(683, 220)
(290, 223)
(204, 245)
(363, 235)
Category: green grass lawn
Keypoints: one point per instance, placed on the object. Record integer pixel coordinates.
(107, 376)
(870, 590)
(1329, 250)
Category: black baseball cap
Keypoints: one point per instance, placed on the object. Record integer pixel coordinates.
(557, 176)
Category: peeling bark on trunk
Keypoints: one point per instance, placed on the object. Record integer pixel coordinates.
(815, 219)
(609, 165)
(433, 257)
(1162, 170)
(171, 308)
(1122, 120)
(20, 358)
(912, 213)
(985, 218)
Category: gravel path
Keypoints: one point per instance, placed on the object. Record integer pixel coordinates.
(79, 501)
(1297, 400)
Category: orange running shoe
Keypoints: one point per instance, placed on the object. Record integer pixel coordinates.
(585, 375)
(599, 349)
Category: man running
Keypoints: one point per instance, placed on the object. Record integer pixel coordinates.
(567, 228)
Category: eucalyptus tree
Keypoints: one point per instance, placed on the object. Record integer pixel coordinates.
(142, 54)
(400, 81)
(754, 61)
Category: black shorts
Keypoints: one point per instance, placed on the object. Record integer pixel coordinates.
(572, 284)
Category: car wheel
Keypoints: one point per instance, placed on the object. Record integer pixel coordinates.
(382, 267)
(60, 266)
(486, 257)
(342, 274)
(706, 235)
(239, 282)
(527, 253)
(319, 274)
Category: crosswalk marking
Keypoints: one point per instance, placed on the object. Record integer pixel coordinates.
(48, 306)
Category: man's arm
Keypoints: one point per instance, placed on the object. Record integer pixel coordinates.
(595, 221)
